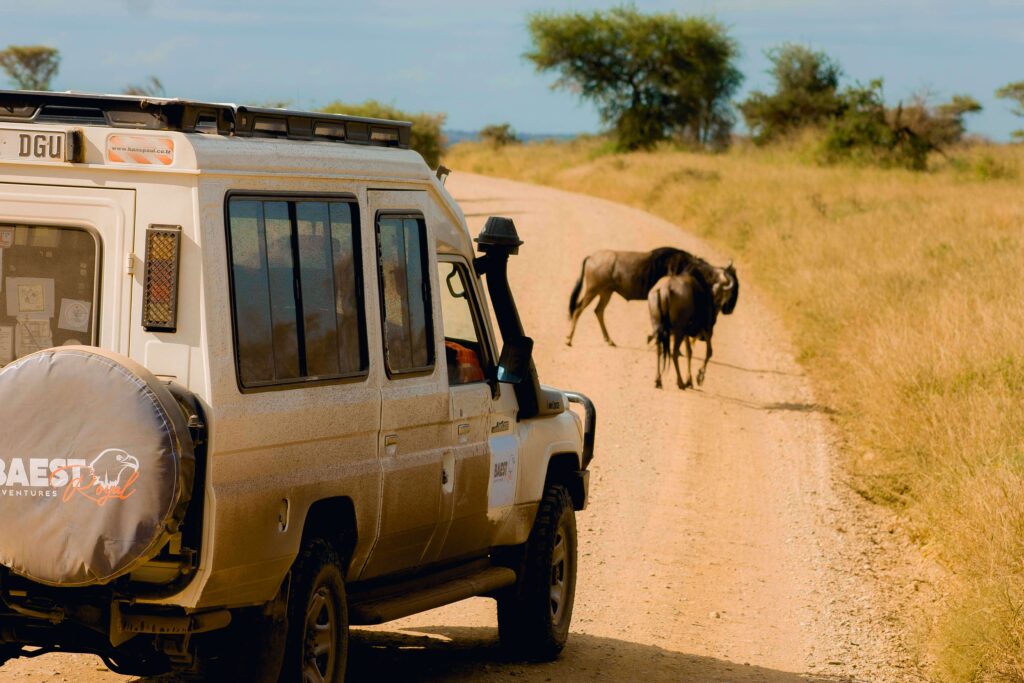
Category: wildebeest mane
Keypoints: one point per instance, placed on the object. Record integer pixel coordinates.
(665, 261)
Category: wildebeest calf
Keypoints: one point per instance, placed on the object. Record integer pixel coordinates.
(682, 308)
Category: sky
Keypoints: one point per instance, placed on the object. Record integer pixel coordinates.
(464, 57)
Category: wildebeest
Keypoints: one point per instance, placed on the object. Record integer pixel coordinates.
(682, 308)
(631, 274)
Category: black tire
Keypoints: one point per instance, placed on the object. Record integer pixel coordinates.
(531, 623)
(316, 605)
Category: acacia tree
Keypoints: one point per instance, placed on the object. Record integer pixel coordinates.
(31, 67)
(651, 76)
(806, 93)
(1015, 93)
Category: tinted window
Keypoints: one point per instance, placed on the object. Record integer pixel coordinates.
(48, 288)
(295, 297)
(405, 294)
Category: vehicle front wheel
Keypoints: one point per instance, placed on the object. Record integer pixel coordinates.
(317, 644)
(534, 615)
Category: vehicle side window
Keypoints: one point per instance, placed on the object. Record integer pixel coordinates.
(405, 294)
(296, 290)
(464, 353)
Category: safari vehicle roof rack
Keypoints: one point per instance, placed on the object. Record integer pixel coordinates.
(300, 125)
(25, 106)
(157, 113)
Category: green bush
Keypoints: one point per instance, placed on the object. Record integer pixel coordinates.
(427, 138)
(866, 131)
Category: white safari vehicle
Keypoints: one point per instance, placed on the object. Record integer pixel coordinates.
(251, 394)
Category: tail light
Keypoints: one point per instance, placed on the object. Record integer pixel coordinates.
(160, 295)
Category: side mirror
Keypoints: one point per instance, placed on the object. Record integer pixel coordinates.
(514, 364)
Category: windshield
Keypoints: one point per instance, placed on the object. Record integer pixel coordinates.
(48, 288)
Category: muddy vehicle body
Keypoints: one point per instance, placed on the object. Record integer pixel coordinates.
(251, 392)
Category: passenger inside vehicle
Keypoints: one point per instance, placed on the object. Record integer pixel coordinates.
(463, 363)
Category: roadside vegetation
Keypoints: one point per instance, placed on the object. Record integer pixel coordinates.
(903, 293)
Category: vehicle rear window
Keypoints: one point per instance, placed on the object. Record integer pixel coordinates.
(296, 290)
(405, 294)
(48, 288)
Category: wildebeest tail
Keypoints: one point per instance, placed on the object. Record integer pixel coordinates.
(575, 296)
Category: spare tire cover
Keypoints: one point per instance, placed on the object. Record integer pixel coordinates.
(97, 466)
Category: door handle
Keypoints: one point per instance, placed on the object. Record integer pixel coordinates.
(391, 440)
(464, 429)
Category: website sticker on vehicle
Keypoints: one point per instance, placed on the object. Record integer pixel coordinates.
(143, 150)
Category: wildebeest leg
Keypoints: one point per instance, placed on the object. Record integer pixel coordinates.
(587, 298)
(707, 357)
(689, 361)
(675, 360)
(659, 368)
(599, 312)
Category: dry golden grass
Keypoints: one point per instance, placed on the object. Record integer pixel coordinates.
(904, 295)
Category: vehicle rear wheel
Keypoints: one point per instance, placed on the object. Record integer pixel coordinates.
(534, 615)
(317, 644)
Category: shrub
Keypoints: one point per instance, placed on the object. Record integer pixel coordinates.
(867, 131)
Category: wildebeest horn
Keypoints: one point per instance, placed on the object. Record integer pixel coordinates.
(728, 265)
(730, 281)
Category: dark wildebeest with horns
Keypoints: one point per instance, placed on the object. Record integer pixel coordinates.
(682, 309)
(631, 274)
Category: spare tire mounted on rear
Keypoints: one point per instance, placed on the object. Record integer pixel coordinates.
(96, 466)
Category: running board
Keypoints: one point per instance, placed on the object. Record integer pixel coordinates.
(397, 606)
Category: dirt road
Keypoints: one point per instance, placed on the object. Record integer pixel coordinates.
(720, 544)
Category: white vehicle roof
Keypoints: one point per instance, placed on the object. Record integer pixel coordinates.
(113, 134)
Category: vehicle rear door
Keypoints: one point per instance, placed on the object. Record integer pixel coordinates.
(63, 275)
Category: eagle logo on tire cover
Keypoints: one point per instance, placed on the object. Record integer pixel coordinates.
(109, 476)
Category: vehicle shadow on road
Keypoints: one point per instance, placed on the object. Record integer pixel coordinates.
(440, 653)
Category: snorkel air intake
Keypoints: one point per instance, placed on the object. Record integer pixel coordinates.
(499, 240)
